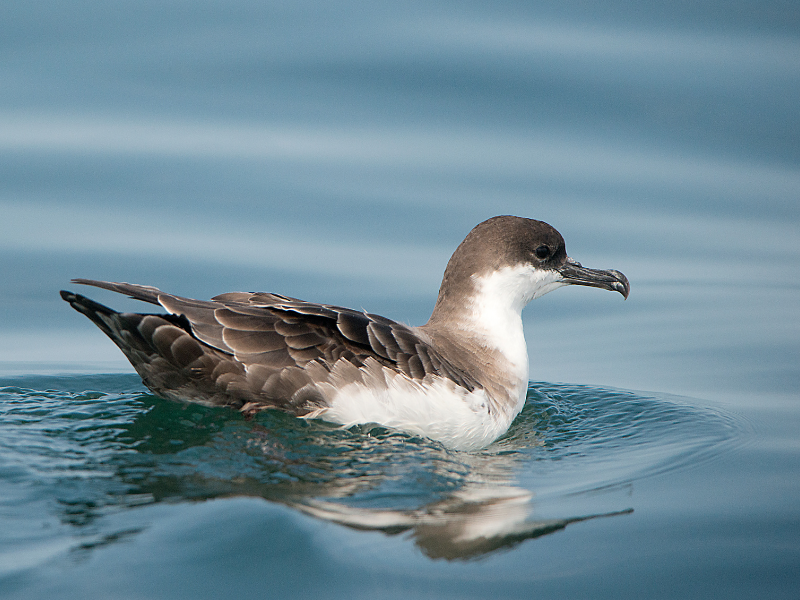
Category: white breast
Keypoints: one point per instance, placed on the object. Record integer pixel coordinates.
(497, 316)
(435, 408)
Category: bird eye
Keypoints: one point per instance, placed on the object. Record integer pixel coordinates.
(542, 252)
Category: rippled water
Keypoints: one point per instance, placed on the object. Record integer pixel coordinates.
(85, 448)
(338, 153)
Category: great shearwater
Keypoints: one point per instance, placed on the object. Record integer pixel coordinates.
(460, 379)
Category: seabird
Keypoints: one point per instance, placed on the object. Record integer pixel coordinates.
(460, 379)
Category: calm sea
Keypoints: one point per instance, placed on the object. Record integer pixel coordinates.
(339, 153)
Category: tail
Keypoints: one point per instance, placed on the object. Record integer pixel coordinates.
(100, 315)
(135, 334)
(125, 329)
(170, 361)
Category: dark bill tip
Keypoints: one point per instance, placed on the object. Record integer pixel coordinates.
(575, 274)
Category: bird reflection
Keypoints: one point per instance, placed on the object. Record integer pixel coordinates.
(471, 523)
(453, 505)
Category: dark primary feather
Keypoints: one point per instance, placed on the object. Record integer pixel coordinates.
(256, 350)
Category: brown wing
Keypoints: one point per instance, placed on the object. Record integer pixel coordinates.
(256, 348)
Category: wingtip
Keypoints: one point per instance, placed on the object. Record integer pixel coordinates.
(82, 281)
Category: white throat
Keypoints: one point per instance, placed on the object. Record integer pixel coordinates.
(496, 313)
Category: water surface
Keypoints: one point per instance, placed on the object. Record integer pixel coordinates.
(339, 154)
(96, 454)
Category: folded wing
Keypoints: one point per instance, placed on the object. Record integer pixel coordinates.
(255, 350)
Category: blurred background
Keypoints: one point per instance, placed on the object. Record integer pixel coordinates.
(339, 153)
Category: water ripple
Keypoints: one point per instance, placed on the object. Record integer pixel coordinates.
(90, 453)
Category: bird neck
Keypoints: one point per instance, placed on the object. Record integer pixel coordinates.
(480, 321)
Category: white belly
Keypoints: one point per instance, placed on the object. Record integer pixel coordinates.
(435, 408)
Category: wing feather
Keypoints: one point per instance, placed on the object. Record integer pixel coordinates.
(273, 349)
(233, 319)
(353, 326)
(251, 342)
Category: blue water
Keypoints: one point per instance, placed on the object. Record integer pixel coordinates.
(108, 469)
(339, 153)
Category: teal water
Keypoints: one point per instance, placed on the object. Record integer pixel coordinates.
(339, 153)
(96, 469)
